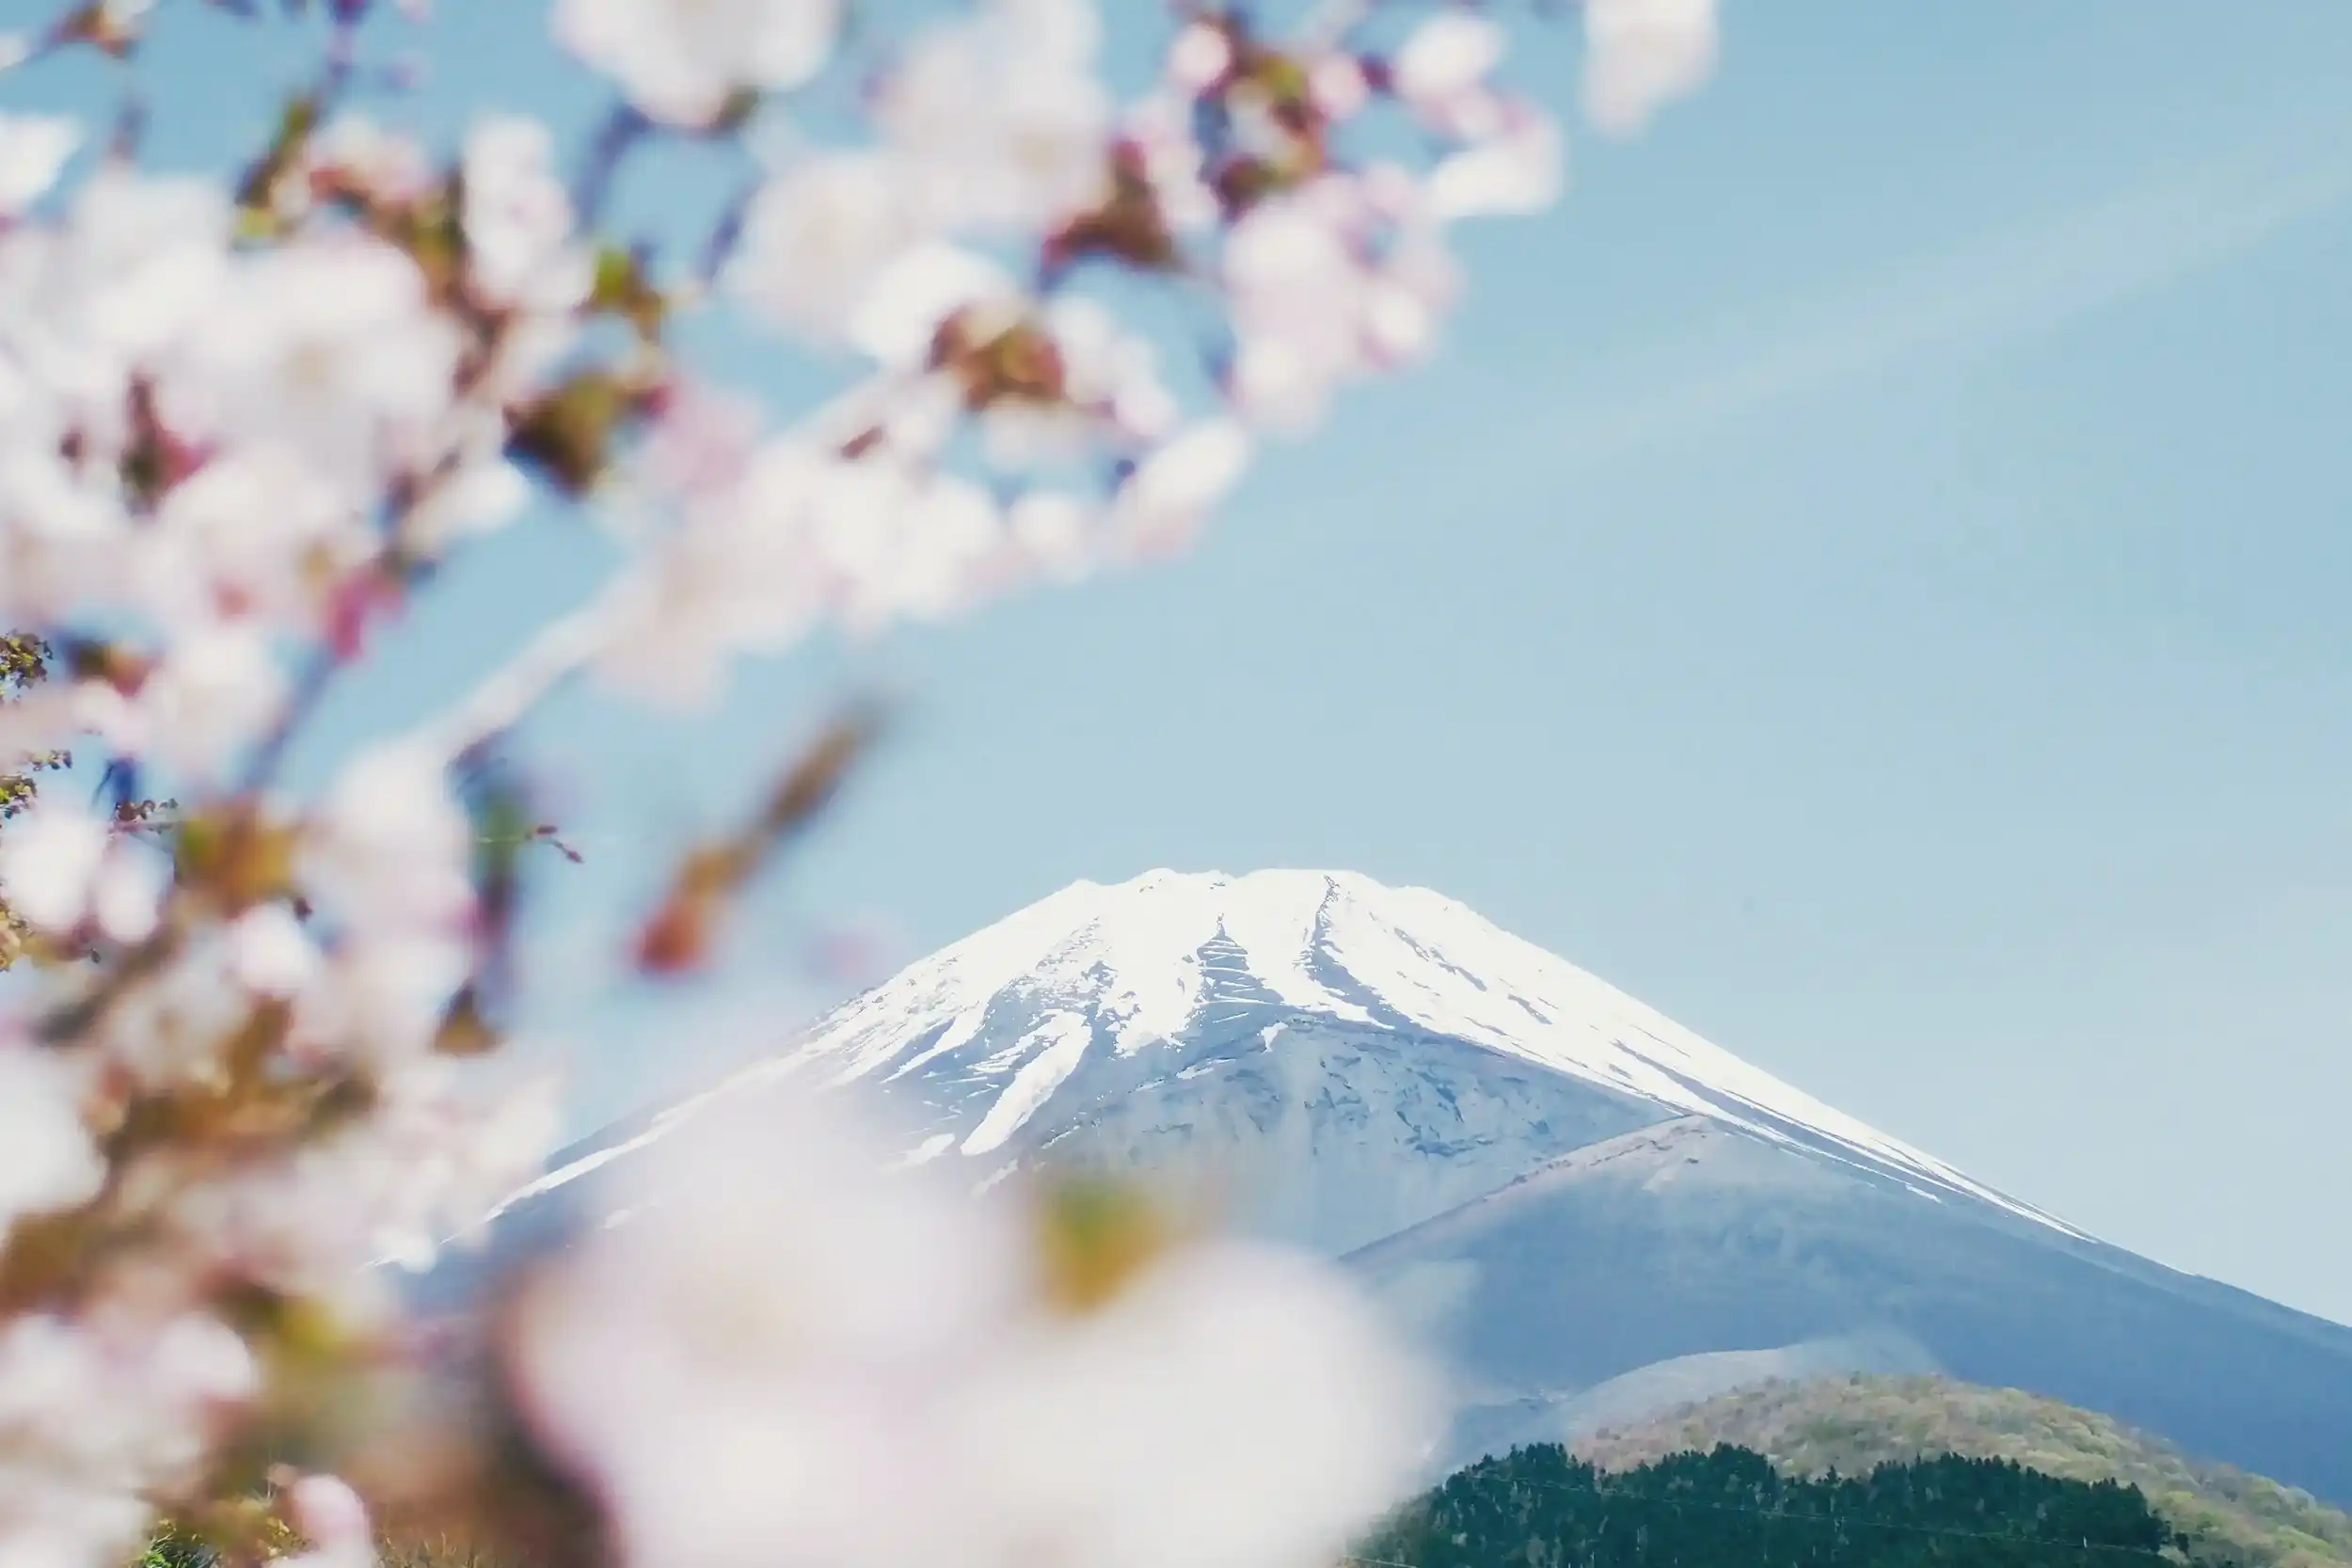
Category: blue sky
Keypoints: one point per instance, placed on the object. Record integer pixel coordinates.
(1869, 576)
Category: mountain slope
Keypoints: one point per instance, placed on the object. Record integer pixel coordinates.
(1851, 1425)
(1595, 1213)
(1345, 1060)
(1604, 1287)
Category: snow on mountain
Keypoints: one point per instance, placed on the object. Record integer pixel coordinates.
(1584, 1209)
(1296, 1028)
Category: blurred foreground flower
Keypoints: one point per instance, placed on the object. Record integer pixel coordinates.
(258, 1037)
(790, 1353)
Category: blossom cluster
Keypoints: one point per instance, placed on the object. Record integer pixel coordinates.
(787, 1352)
(244, 420)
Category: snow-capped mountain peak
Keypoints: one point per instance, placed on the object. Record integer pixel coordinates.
(1574, 1200)
(1098, 974)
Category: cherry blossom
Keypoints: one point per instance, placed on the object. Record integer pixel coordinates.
(1299, 285)
(331, 348)
(254, 533)
(519, 219)
(439, 1152)
(1447, 59)
(214, 692)
(33, 153)
(816, 236)
(1228, 1371)
(897, 319)
(49, 864)
(95, 1416)
(1156, 130)
(753, 1369)
(136, 263)
(391, 847)
(1001, 120)
(479, 488)
(1516, 170)
(270, 953)
(680, 60)
(245, 419)
(52, 1164)
(334, 1520)
(355, 150)
(1175, 488)
(1640, 54)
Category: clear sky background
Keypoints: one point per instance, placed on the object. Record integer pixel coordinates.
(1870, 576)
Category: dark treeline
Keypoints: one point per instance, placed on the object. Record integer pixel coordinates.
(1730, 1509)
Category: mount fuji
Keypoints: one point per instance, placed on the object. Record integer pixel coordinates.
(1589, 1211)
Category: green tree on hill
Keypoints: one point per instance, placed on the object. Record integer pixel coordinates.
(1539, 1508)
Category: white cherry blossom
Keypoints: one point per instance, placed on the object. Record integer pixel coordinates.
(679, 60)
(391, 847)
(814, 237)
(747, 1369)
(435, 1156)
(1001, 120)
(1198, 57)
(33, 153)
(94, 1415)
(269, 952)
(1515, 171)
(1296, 281)
(519, 219)
(328, 347)
(334, 1520)
(1112, 390)
(49, 859)
(138, 260)
(126, 900)
(1173, 490)
(1230, 1370)
(1641, 54)
(1447, 58)
(1055, 531)
(900, 310)
(215, 691)
(387, 165)
(1158, 128)
(255, 533)
(52, 1163)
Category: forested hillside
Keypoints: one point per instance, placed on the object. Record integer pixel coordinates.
(1542, 1508)
(1854, 1424)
